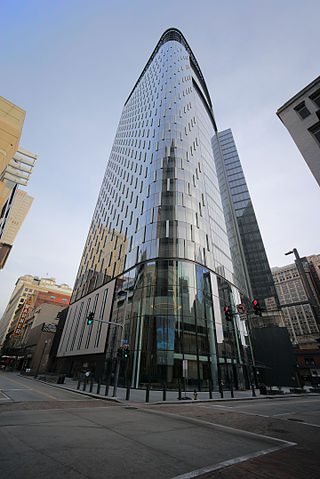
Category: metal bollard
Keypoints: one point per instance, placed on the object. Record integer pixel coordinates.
(253, 390)
(221, 390)
(98, 387)
(195, 395)
(84, 384)
(91, 385)
(147, 392)
(164, 392)
(210, 389)
(128, 392)
(179, 396)
(231, 390)
(79, 382)
(106, 392)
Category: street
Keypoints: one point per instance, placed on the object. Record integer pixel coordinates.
(50, 432)
(294, 419)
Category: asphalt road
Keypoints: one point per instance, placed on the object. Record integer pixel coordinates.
(47, 432)
(295, 419)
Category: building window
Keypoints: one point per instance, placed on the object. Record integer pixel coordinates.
(315, 131)
(309, 362)
(315, 97)
(302, 110)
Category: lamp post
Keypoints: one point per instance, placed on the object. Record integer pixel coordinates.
(311, 297)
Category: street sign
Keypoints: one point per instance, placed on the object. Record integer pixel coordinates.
(243, 317)
(241, 308)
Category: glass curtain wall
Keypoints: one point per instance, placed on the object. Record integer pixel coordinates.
(172, 311)
(159, 231)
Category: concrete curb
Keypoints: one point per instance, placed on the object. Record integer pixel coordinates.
(191, 401)
(181, 402)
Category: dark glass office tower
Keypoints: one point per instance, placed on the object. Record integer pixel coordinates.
(157, 258)
(252, 270)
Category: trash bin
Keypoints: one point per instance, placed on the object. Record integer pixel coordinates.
(61, 379)
(263, 388)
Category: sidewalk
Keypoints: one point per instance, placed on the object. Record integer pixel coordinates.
(156, 396)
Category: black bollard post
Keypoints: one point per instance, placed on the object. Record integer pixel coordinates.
(79, 382)
(84, 384)
(231, 390)
(98, 387)
(106, 393)
(253, 390)
(91, 385)
(179, 396)
(221, 390)
(128, 392)
(147, 392)
(164, 392)
(210, 389)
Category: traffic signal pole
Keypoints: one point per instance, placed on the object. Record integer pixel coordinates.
(118, 359)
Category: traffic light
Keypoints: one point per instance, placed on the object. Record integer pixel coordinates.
(227, 313)
(123, 353)
(256, 308)
(90, 318)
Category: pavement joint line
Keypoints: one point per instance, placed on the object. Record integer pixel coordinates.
(241, 412)
(307, 423)
(220, 426)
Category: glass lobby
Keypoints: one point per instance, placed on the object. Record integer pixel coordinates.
(173, 310)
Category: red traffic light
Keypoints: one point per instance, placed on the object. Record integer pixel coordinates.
(254, 302)
(226, 309)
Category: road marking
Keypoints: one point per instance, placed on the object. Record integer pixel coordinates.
(282, 401)
(5, 398)
(198, 472)
(32, 389)
(230, 462)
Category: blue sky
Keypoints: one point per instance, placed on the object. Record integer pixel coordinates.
(71, 65)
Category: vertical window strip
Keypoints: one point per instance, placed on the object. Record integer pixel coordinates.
(76, 328)
(91, 325)
(105, 294)
(83, 323)
(69, 335)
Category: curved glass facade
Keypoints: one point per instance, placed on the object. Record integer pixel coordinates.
(159, 231)
(173, 310)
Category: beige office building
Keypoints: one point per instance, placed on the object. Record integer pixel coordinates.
(301, 116)
(298, 314)
(41, 290)
(16, 165)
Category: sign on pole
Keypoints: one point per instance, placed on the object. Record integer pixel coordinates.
(241, 308)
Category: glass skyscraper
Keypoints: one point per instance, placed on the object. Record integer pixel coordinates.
(157, 258)
(252, 270)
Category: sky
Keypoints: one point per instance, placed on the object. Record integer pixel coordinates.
(71, 65)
